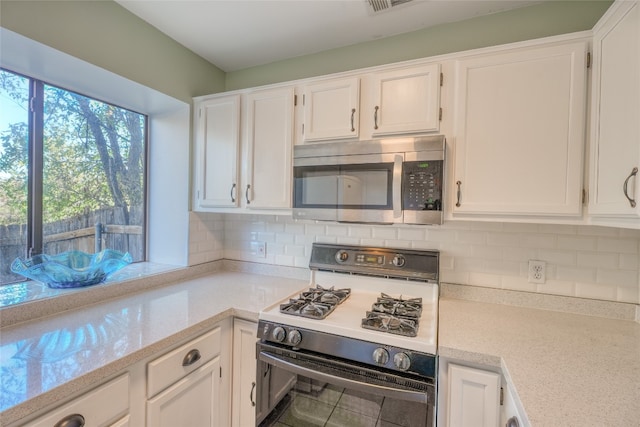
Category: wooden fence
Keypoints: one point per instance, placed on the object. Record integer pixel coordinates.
(77, 233)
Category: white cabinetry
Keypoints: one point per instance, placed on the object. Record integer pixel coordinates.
(394, 102)
(519, 131)
(107, 405)
(269, 132)
(190, 385)
(615, 120)
(244, 373)
(473, 397)
(263, 180)
(405, 100)
(217, 150)
(332, 109)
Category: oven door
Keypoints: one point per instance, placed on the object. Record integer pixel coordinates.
(355, 188)
(307, 389)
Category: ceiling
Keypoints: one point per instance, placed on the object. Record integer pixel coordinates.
(237, 34)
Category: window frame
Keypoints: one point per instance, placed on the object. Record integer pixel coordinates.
(35, 177)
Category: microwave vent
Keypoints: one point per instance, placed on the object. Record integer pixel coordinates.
(382, 5)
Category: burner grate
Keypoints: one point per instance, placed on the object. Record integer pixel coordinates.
(397, 316)
(315, 303)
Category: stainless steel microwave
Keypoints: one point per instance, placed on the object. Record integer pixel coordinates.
(385, 181)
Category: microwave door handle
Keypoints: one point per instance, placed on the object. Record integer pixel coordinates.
(397, 186)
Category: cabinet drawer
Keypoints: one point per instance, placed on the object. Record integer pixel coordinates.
(174, 365)
(91, 407)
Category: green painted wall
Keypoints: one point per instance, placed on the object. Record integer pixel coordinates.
(107, 35)
(542, 20)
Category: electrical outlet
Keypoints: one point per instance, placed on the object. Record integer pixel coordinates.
(537, 271)
(259, 249)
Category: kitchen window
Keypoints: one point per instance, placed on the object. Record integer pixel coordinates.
(72, 171)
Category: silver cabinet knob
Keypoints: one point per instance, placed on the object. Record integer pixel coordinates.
(278, 333)
(380, 356)
(295, 337)
(402, 361)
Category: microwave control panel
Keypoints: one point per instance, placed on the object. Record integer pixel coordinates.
(422, 185)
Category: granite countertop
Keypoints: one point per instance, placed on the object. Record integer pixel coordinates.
(44, 360)
(567, 369)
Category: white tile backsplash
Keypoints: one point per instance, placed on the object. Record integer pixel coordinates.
(582, 261)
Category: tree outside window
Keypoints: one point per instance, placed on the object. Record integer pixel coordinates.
(67, 163)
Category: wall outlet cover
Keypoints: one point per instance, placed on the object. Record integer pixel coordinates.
(537, 271)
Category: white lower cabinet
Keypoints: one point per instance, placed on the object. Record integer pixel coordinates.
(192, 401)
(244, 373)
(472, 397)
(91, 409)
(189, 386)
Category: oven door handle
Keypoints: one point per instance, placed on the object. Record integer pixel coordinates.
(406, 395)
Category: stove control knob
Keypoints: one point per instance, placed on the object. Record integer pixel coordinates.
(342, 256)
(402, 361)
(398, 260)
(380, 356)
(278, 333)
(295, 337)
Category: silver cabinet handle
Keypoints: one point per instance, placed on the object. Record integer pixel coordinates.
(459, 193)
(633, 173)
(353, 114)
(253, 387)
(233, 187)
(192, 357)
(74, 420)
(375, 117)
(246, 193)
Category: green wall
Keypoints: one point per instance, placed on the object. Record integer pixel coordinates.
(107, 35)
(542, 20)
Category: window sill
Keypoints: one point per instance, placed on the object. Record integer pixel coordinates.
(28, 300)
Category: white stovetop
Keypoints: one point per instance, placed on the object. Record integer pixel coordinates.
(346, 319)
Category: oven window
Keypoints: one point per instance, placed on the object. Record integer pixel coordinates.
(309, 402)
(361, 186)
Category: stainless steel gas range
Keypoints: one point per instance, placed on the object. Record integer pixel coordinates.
(358, 346)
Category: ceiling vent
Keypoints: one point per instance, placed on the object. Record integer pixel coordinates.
(382, 5)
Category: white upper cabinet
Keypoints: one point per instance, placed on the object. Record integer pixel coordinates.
(249, 170)
(331, 109)
(217, 151)
(269, 132)
(394, 102)
(519, 132)
(614, 189)
(405, 101)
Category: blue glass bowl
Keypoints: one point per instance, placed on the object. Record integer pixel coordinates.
(73, 269)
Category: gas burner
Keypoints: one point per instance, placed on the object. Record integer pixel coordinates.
(315, 303)
(306, 308)
(411, 307)
(326, 295)
(392, 324)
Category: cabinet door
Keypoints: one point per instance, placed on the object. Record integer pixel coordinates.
(91, 408)
(519, 132)
(269, 130)
(331, 110)
(244, 373)
(406, 101)
(192, 401)
(474, 397)
(218, 140)
(615, 137)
